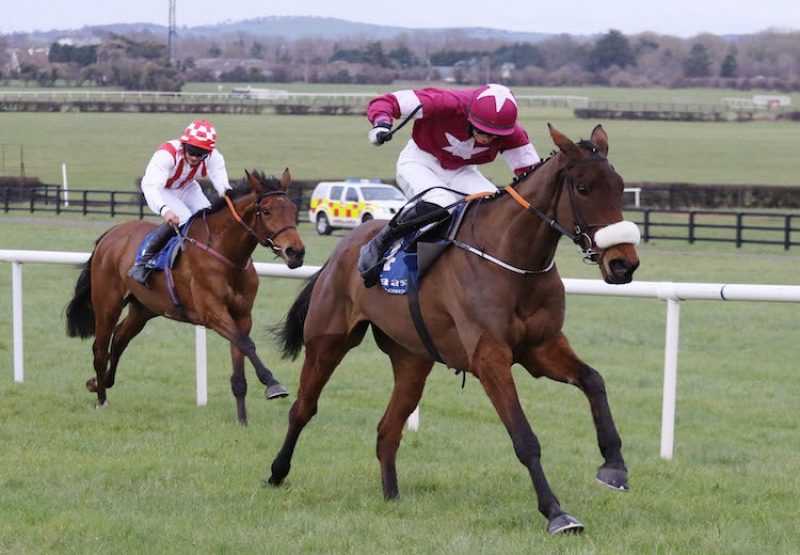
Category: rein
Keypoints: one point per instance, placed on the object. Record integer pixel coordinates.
(269, 241)
(581, 236)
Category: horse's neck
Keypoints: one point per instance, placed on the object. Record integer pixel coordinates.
(514, 234)
(230, 237)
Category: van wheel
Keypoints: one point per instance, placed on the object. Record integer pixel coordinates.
(366, 218)
(323, 225)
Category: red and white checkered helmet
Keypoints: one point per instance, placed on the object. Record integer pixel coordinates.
(201, 134)
(493, 110)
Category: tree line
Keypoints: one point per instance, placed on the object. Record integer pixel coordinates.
(140, 61)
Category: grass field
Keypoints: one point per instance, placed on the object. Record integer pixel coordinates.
(155, 473)
(109, 151)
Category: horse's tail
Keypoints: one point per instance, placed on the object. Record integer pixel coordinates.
(79, 311)
(290, 332)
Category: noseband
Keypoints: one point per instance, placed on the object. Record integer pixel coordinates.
(270, 240)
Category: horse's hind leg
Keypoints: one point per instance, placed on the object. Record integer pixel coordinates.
(126, 330)
(323, 355)
(107, 310)
(410, 373)
(557, 361)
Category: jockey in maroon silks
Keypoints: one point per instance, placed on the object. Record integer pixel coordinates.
(455, 130)
(171, 189)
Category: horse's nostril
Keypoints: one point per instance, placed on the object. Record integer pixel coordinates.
(622, 270)
(618, 266)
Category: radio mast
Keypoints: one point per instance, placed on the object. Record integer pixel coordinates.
(171, 33)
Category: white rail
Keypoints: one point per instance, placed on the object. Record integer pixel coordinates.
(672, 293)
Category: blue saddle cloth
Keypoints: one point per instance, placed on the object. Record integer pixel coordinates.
(403, 263)
(167, 256)
(397, 270)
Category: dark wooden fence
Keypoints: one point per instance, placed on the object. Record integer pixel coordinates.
(724, 226)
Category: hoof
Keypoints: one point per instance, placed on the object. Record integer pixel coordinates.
(614, 478)
(276, 391)
(99, 406)
(91, 384)
(564, 524)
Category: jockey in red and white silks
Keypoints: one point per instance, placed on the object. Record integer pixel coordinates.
(170, 180)
(454, 131)
(171, 189)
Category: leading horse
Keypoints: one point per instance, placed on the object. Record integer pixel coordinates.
(215, 283)
(495, 301)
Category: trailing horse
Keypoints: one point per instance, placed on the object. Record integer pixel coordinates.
(212, 284)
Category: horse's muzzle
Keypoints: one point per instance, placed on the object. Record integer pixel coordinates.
(618, 263)
(294, 258)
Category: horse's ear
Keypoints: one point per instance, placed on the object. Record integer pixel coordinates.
(252, 180)
(600, 139)
(563, 142)
(286, 178)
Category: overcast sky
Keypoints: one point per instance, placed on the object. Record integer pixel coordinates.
(682, 18)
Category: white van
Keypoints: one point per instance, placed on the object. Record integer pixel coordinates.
(346, 204)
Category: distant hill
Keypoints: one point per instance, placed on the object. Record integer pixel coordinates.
(296, 27)
(289, 27)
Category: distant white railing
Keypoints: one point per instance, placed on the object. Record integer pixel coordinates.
(672, 293)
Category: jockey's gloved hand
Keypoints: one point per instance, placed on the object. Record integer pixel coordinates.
(380, 134)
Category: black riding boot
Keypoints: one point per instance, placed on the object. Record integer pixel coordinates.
(157, 241)
(371, 256)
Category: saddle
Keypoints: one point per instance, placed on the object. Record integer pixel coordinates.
(414, 254)
(165, 261)
(169, 252)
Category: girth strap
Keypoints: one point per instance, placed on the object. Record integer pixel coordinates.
(416, 316)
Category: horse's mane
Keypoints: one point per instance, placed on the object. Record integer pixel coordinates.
(242, 188)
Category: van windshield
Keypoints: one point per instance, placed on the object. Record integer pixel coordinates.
(382, 193)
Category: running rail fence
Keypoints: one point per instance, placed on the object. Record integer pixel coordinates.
(672, 293)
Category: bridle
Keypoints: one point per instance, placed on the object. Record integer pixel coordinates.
(269, 241)
(580, 236)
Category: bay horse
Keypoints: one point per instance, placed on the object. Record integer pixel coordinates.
(484, 313)
(215, 283)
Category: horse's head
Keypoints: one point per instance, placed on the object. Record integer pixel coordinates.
(591, 198)
(274, 217)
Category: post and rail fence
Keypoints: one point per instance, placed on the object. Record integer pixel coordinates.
(723, 226)
(672, 293)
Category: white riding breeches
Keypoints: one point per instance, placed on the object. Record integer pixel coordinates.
(419, 171)
(186, 201)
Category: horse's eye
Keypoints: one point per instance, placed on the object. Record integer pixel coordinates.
(582, 188)
(266, 213)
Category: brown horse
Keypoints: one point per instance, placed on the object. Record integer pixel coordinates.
(484, 313)
(215, 283)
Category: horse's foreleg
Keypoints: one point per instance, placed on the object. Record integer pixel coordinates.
(239, 384)
(323, 355)
(492, 365)
(275, 389)
(238, 335)
(410, 373)
(557, 361)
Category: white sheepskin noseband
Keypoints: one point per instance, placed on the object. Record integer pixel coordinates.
(614, 234)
